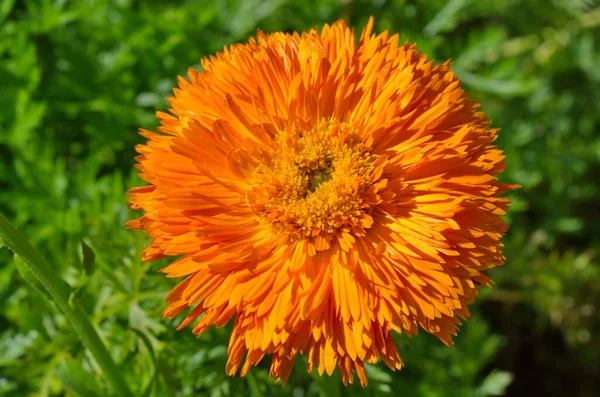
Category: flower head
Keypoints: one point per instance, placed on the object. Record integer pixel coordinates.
(323, 194)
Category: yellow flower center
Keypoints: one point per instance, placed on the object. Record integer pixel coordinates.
(314, 182)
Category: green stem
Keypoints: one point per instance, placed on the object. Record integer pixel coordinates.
(60, 291)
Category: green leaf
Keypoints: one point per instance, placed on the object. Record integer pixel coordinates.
(148, 344)
(569, 225)
(89, 266)
(89, 259)
(446, 18)
(377, 374)
(6, 7)
(494, 384)
(78, 381)
(78, 289)
(505, 88)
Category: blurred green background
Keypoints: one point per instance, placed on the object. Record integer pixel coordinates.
(78, 78)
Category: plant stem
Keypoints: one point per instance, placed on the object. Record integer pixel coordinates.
(60, 291)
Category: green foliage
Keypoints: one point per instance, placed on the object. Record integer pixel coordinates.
(79, 78)
(89, 266)
(75, 379)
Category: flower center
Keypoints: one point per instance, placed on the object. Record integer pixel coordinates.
(314, 182)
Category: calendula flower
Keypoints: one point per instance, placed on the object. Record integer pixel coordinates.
(322, 194)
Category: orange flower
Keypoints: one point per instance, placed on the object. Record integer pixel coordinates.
(323, 194)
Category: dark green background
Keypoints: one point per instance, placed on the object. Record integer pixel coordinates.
(78, 78)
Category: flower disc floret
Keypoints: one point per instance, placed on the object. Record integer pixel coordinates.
(316, 183)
